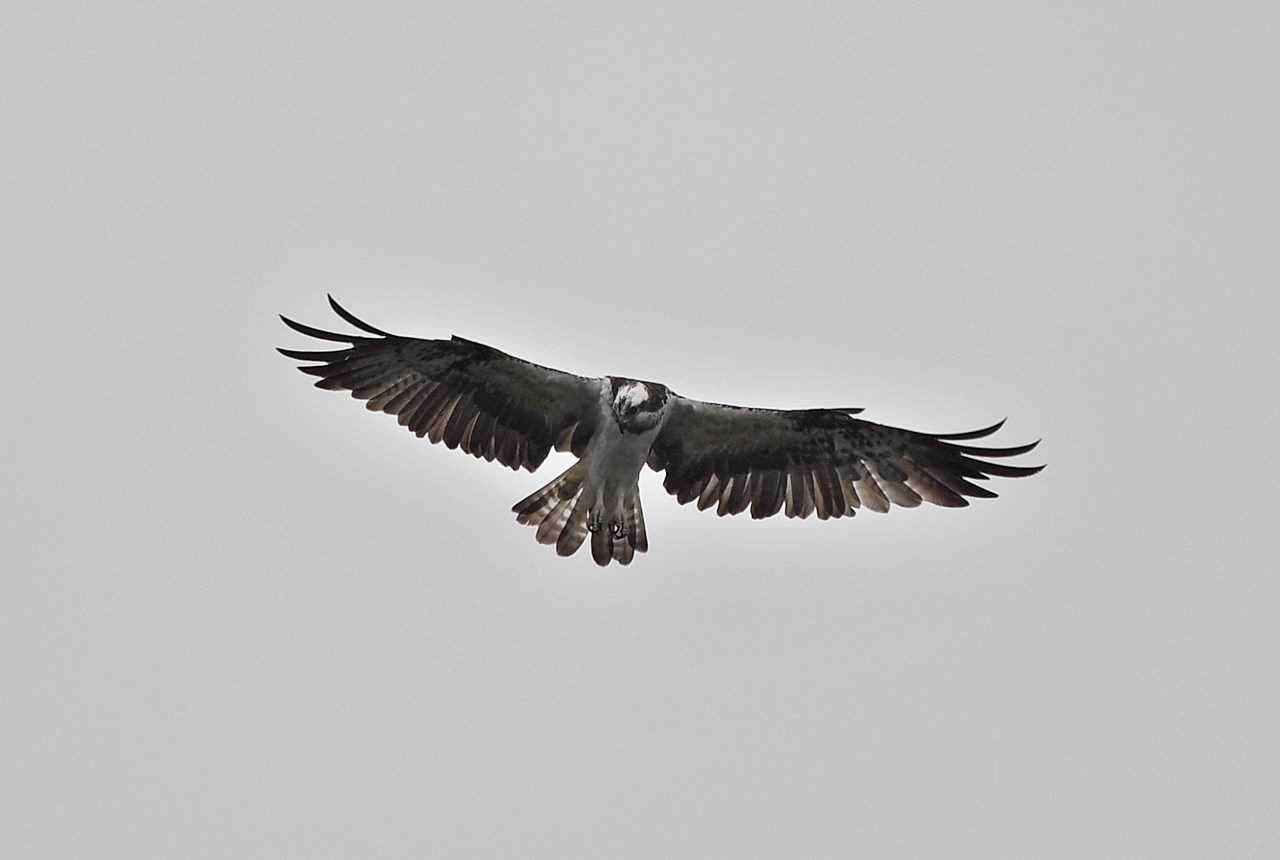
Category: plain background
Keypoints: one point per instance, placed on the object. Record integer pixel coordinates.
(243, 618)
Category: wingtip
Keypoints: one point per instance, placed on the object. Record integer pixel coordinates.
(293, 324)
(353, 319)
(1009, 451)
(973, 434)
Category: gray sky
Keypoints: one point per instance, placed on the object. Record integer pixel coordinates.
(243, 618)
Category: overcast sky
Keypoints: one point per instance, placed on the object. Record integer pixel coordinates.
(244, 618)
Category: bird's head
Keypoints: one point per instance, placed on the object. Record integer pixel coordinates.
(638, 406)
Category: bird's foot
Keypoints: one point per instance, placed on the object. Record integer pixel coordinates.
(617, 529)
(594, 521)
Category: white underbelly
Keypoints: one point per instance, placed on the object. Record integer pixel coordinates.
(616, 458)
(613, 461)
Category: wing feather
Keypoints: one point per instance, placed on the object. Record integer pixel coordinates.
(873, 498)
(485, 402)
(818, 461)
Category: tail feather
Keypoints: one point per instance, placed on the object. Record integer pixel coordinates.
(634, 538)
(635, 524)
(574, 531)
(535, 510)
(538, 505)
(561, 510)
(558, 510)
(602, 546)
(550, 528)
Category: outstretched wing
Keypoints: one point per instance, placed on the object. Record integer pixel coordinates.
(459, 392)
(818, 460)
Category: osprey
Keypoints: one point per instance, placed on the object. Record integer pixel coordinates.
(499, 407)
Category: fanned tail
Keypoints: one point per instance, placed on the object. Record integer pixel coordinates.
(562, 513)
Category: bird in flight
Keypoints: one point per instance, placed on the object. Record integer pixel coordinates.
(498, 407)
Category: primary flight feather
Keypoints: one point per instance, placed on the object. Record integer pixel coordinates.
(498, 407)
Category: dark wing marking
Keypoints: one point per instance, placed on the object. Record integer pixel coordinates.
(459, 392)
(819, 461)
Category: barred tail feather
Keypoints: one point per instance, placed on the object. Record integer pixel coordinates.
(633, 516)
(633, 538)
(552, 526)
(575, 530)
(559, 510)
(623, 551)
(562, 510)
(536, 507)
(641, 536)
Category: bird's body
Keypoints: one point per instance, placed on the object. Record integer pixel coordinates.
(498, 407)
(600, 494)
(618, 451)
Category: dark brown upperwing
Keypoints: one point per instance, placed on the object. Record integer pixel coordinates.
(820, 461)
(459, 392)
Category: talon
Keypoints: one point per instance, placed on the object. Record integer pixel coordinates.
(593, 522)
(617, 529)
